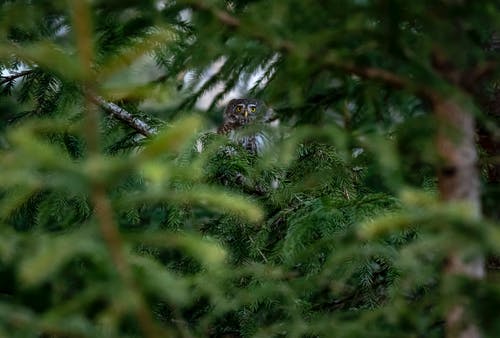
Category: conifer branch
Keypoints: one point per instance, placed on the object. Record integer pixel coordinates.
(124, 116)
(103, 210)
(371, 73)
(12, 77)
(258, 250)
(229, 20)
(109, 107)
(387, 77)
(224, 17)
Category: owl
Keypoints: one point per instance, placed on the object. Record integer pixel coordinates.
(242, 122)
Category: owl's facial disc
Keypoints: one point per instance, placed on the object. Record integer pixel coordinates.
(242, 113)
(241, 109)
(248, 110)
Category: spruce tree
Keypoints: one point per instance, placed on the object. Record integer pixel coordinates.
(123, 214)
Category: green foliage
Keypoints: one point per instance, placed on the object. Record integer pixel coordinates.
(334, 230)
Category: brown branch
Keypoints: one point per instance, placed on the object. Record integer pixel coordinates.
(387, 77)
(114, 243)
(483, 70)
(370, 73)
(379, 74)
(227, 18)
(231, 21)
(223, 16)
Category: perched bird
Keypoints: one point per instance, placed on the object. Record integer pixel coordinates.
(243, 121)
(246, 123)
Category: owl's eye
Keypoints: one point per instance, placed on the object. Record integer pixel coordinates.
(252, 109)
(238, 109)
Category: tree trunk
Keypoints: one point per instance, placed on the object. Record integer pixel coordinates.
(458, 181)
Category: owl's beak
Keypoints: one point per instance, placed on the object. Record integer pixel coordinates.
(246, 113)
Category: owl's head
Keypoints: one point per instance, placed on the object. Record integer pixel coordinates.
(240, 112)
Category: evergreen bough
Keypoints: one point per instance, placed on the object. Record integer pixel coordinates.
(336, 230)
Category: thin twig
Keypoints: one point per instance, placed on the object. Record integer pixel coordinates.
(224, 17)
(227, 18)
(231, 21)
(9, 78)
(258, 250)
(181, 324)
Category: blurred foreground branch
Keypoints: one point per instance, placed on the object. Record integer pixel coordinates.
(103, 211)
(116, 111)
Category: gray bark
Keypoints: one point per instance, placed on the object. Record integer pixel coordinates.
(458, 180)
